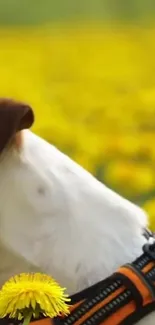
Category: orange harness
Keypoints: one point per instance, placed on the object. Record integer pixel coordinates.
(124, 298)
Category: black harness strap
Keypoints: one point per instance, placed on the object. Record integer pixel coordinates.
(107, 297)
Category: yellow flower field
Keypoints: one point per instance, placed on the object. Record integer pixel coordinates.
(93, 90)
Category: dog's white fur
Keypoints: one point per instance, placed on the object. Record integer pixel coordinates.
(57, 218)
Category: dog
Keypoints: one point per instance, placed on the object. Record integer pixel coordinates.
(54, 216)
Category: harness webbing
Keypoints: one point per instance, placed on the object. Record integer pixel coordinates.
(122, 299)
(123, 295)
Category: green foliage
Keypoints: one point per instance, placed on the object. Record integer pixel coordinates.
(31, 12)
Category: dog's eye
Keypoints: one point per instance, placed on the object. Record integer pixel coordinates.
(41, 191)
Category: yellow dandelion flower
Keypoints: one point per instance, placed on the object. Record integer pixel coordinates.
(32, 294)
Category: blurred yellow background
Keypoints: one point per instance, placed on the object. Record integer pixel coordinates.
(88, 69)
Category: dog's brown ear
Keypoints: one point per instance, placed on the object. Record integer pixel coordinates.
(14, 117)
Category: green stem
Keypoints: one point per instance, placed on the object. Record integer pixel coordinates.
(27, 318)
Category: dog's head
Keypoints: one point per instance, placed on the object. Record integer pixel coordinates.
(14, 117)
(55, 214)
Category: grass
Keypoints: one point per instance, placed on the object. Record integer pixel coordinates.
(28, 12)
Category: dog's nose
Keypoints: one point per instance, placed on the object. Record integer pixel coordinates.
(14, 117)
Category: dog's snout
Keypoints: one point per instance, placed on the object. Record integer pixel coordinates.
(14, 117)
